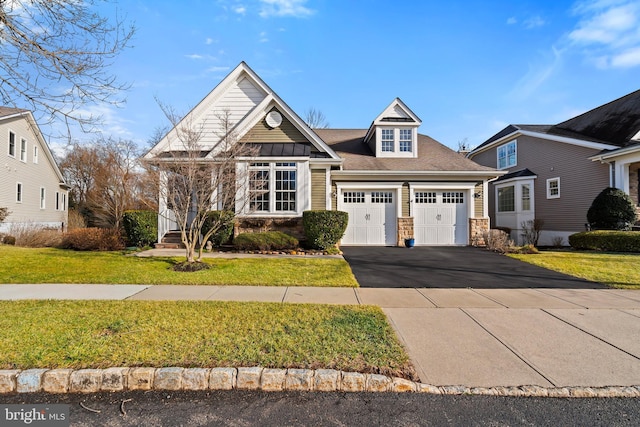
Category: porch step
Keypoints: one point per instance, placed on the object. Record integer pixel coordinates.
(171, 240)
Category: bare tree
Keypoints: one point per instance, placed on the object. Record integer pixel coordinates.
(315, 119)
(54, 56)
(79, 167)
(195, 180)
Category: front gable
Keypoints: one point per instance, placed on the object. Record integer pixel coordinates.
(242, 108)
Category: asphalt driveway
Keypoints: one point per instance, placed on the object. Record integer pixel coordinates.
(451, 267)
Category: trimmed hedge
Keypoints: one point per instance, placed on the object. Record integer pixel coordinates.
(606, 240)
(612, 209)
(225, 221)
(92, 239)
(268, 241)
(140, 227)
(324, 229)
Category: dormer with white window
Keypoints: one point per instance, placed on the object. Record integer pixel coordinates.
(394, 133)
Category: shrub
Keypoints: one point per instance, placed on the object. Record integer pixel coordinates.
(140, 227)
(93, 239)
(606, 240)
(4, 213)
(324, 229)
(75, 220)
(531, 231)
(30, 235)
(497, 241)
(269, 241)
(612, 209)
(9, 240)
(224, 220)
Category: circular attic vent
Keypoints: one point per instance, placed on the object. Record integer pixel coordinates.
(274, 119)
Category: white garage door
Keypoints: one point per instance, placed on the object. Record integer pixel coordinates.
(372, 217)
(440, 217)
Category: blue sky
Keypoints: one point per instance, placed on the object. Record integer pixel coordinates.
(466, 68)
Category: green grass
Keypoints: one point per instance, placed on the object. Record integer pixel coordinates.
(47, 265)
(99, 334)
(613, 269)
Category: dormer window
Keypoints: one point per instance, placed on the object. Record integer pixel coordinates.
(406, 141)
(387, 141)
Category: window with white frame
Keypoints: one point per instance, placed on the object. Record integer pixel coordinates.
(525, 197)
(42, 197)
(506, 199)
(553, 188)
(507, 155)
(387, 140)
(12, 144)
(453, 197)
(273, 187)
(425, 197)
(23, 150)
(406, 141)
(353, 196)
(19, 192)
(35, 154)
(381, 197)
(57, 200)
(64, 201)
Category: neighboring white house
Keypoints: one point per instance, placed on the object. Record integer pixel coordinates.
(32, 187)
(394, 182)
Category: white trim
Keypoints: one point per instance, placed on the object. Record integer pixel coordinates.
(549, 195)
(384, 174)
(467, 187)
(21, 192)
(43, 198)
(615, 153)
(35, 154)
(341, 186)
(515, 134)
(15, 146)
(507, 165)
(24, 156)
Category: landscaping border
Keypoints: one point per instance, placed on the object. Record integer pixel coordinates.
(265, 379)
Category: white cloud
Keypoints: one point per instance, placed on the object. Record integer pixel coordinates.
(608, 32)
(217, 69)
(281, 8)
(512, 21)
(534, 22)
(209, 41)
(240, 10)
(194, 56)
(263, 37)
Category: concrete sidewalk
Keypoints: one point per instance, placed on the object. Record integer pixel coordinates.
(471, 337)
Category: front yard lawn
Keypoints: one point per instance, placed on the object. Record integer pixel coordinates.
(100, 334)
(613, 269)
(47, 265)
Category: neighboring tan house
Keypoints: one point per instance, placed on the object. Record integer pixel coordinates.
(32, 187)
(555, 171)
(394, 182)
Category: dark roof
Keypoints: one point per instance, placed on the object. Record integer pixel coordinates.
(397, 119)
(269, 149)
(432, 155)
(517, 174)
(614, 123)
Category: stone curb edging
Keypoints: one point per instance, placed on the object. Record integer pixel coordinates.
(265, 379)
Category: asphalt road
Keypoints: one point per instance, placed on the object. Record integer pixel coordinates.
(238, 408)
(451, 267)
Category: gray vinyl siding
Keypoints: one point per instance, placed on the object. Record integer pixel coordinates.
(32, 175)
(580, 180)
(318, 189)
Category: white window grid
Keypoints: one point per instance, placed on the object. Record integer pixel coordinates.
(381, 197)
(35, 154)
(23, 150)
(353, 197)
(12, 144)
(506, 199)
(553, 188)
(453, 197)
(526, 197)
(405, 140)
(425, 197)
(387, 140)
(19, 191)
(273, 186)
(43, 197)
(507, 155)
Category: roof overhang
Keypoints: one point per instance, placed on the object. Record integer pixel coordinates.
(614, 154)
(548, 137)
(415, 175)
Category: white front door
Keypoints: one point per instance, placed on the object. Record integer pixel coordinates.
(372, 217)
(440, 217)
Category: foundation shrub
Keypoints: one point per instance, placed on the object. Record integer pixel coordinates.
(224, 222)
(268, 241)
(324, 229)
(606, 240)
(93, 239)
(140, 227)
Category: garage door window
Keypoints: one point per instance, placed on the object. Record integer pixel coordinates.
(381, 197)
(353, 197)
(453, 197)
(425, 197)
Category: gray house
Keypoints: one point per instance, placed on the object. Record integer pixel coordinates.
(32, 187)
(555, 171)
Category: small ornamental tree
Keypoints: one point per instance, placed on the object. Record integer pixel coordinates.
(612, 209)
(4, 213)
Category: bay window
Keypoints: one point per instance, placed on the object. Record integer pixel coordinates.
(273, 187)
